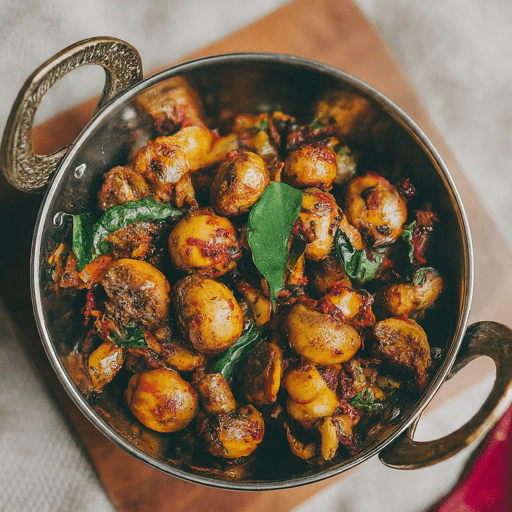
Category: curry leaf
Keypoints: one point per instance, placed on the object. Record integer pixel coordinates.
(262, 126)
(238, 351)
(407, 235)
(89, 235)
(356, 262)
(315, 124)
(363, 401)
(420, 277)
(133, 337)
(270, 224)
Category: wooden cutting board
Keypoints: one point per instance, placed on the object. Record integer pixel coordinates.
(334, 32)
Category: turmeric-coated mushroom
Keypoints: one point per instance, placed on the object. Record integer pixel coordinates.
(161, 400)
(208, 312)
(318, 336)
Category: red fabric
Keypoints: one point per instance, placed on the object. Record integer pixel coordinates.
(487, 484)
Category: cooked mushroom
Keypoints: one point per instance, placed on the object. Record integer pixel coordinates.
(104, 363)
(329, 444)
(204, 243)
(310, 413)
(409, 299)
(403, 343)
(260, 375)
(317, 222)
(136, 290)
(304, 383)
(216, 395)
(166, 163)
(121, 185)
(374, 206)
(233, 434)
(161, 400)
(208, 312)
(312, 165)
(239, 182)
(317, 336)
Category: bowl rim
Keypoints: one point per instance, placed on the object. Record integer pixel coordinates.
(185, 67)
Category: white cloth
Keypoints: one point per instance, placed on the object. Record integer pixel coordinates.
(456, 53)
(42, 465)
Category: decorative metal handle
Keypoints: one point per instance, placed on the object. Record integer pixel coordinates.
(23, 168)
(483, 338)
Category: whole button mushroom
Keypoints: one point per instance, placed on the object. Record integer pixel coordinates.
(312, 165)
(137, 290)
(239, 182)
(204, 243)
(208, 312)
(233, 434)
(317, 222)
(318, 337)
(376, 209)
(161, 400)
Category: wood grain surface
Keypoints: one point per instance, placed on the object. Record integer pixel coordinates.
(334, 32)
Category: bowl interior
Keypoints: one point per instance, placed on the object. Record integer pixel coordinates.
(246, 83)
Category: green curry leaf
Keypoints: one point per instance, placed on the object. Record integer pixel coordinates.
(363, 401)
(270, 225)
(356, 262)
(89, 235)
(315, 124)
(407, 235)
(133, 337)
(420, 276)
(262, 126)
(238, 351)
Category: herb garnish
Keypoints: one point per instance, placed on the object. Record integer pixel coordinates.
(315, 124)
(356, 262)
(133, 337)
(262, 126)
(420, 276)
(238, 351)
(270, 224)
(363, 400)
(89, 234)
(407, 235)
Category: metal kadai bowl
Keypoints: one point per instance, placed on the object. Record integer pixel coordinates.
(70, 179)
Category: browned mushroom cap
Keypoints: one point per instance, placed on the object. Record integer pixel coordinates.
(260, 374)
(317, 222)
(349, 305)
(161, 400)
(104, 363)
(215, 393)
(311, 165)
(121, 185)
(166, 163)
(351, 113)
(310, 414)
(375, 208)
(136, 290)
(233, 434)
(259, 303)
(239, 182)
(317, 336)
(403, 343)
(173, 350)
(208, 312)
(204, 243)
(409, 299)
(324, 274)
(304, 383)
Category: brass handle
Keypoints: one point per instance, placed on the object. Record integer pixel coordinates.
(484, 338)
(23, 168)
